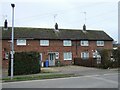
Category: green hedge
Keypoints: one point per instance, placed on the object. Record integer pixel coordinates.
(109, 59)
(116, 56)
(85, 62)
(25, 63)
(106, 58)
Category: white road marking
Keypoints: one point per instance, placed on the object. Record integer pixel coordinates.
(111, 74)
(106, 80)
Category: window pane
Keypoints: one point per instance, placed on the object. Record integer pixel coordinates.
(44, 42)
(100, 43)
(68, 56)
(21, 42)
(84, 43)
(84, 55)
(67, 43)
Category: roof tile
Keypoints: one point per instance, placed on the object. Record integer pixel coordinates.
(44, 33)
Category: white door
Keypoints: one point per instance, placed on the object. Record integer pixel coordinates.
(51, 59)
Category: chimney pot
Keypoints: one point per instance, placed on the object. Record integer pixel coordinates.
(5, 24)
(84, 27)
(56, 26)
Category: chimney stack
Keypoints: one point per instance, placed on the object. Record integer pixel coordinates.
(84, 27)
(56, 26)
(5, 25)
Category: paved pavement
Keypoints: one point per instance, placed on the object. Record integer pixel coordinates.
(78, 70)
(4, 73)
(89, 81)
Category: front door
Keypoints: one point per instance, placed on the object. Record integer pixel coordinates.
(51, 59)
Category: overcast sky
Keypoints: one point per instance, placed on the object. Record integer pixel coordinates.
(69, 14)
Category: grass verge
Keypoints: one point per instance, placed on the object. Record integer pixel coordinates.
(37, 77)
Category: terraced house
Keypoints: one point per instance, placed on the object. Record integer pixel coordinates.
(56, 44)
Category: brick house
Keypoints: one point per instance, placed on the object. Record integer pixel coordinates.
(56, 44)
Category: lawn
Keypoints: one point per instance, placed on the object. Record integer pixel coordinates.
(37, 77)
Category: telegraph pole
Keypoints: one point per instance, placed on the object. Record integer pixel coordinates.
(12, 41)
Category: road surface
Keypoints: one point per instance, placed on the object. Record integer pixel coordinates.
(109, 80)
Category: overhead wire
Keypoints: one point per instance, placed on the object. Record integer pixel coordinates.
(51, 13)
(59, 12)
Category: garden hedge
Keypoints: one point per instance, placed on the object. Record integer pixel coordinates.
(25, 63)
(109, 59)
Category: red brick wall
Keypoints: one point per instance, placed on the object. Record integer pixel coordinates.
(56, 46)
(5, 64)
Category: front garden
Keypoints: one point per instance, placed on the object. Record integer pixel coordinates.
(109, 59)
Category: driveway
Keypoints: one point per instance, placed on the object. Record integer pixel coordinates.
(79, 70)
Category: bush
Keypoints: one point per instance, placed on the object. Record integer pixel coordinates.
(106, 61)
(25, 63)
(58, 63)
(85, 62)
(116, 56)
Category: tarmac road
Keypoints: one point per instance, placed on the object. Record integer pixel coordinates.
(109, 80)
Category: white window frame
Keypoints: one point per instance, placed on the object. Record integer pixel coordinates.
(94, 55)
(100, 43)
(67, 43)
(6, 55)
(57, 55)
(67, 56)
(84, 43)
(44, 42)
(40, 56)
(85, 55)
(21, 42)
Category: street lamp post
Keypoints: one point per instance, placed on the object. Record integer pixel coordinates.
(12, 42)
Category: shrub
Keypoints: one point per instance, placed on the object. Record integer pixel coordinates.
(85, 62)
(116, 56)
(25, 63)
(106, 61)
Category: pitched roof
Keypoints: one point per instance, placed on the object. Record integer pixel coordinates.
(44, 33)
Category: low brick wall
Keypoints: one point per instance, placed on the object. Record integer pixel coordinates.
(64, 63)
(5, 64)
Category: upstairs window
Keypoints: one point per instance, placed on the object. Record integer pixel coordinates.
(67, 43)
(44, 42)
(84, 43)
(21, 42)
(100, 43)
